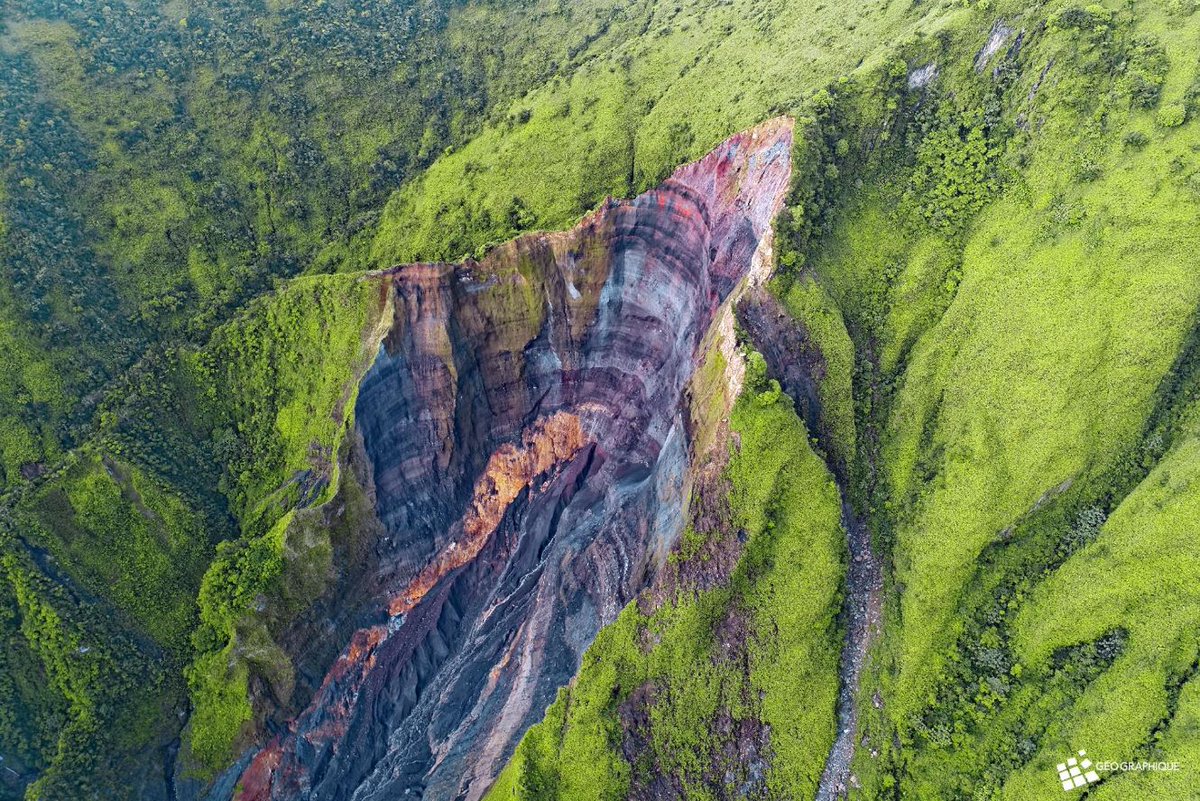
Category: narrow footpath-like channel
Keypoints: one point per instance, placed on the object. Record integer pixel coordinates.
(861, 612)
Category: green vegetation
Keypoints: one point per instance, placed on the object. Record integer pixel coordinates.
(125, 536)
(1005, 322)
(229, 641)
(993, 249)
(624, 119)
(133, 521)
(80, 697)
(1019, 320)
(283, 381)
(1066, 295)
(675, 681)
(164, 164)
(1146, 565)
(279, 379)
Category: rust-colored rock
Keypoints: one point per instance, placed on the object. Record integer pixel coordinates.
(522, 440)
(549, 443)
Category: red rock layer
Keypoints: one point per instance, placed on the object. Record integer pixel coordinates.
(522, 441)
(549, 443)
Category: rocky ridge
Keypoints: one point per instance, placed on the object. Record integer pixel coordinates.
(521, 437)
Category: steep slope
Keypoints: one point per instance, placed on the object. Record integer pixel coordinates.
(115, 587)
(522, 434)
(1035, 403)
(621, 121)
(721, 680)
(165, 162)
(378, 525)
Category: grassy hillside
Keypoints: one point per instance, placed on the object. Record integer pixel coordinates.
(1142, 704)
(82, 697)
(163, 163)
(991, 238)
(625, 118)
(170, 582)
(1021, 294)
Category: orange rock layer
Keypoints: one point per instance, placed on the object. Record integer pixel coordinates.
(549, 442)
(501, 546)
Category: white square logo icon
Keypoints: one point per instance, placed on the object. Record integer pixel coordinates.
(1076, 772)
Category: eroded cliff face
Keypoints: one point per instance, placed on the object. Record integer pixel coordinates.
(521, 436)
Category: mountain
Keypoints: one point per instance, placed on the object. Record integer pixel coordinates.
(596, 400)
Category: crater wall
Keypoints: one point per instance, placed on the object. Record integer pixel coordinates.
(522, 435)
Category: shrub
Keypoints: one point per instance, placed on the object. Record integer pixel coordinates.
(1146, 70)
(1086, 528)
(1136, 140)
(1171, 115)
(955, 173)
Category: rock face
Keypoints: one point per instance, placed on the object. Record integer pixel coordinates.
(521, 433)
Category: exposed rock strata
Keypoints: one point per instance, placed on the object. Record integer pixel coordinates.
(522, 437)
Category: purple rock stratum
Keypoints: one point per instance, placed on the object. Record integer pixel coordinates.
(521, 441)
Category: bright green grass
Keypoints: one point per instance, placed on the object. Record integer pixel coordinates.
(219, 678)
(280, 381)
(1071, 308)
(1140, 575)
(700, 72)
(783, 490)
(283, 380)
(787, 582)
(1180, 743)
(129, 538)
(1020, 358)
(1019, 355)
